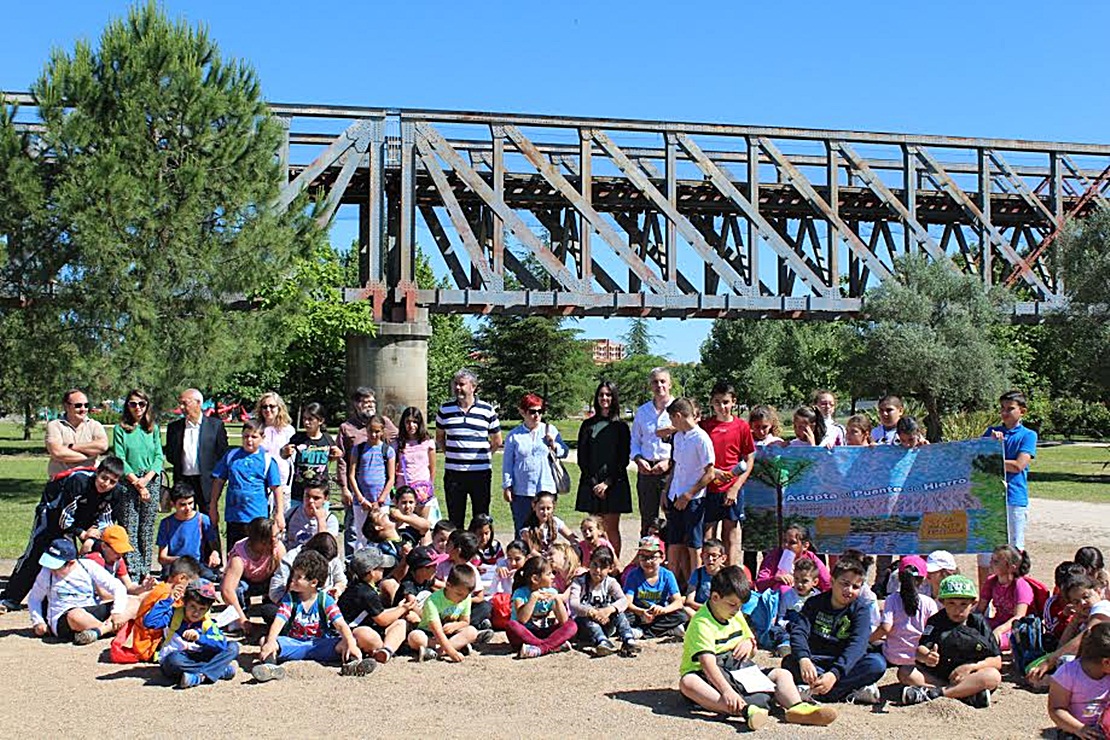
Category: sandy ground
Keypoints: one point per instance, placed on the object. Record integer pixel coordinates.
(62, 690)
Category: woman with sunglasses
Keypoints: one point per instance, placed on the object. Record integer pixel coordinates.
(137, 441)
(277, 430)
(525, 469)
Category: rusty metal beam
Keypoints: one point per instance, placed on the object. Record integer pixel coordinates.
(446, 249)
(357, 135)
(1019, 186)
(724, 184)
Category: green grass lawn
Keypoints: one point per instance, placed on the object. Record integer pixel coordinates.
(1068, 472)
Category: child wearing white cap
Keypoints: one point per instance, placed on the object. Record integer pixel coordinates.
(940, 564)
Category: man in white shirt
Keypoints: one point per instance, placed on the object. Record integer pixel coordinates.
(194, 444)
(651, 447)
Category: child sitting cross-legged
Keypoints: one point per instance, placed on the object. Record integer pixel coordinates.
(958, 649)
(193, 650)
(598, 604)
(905, 615)
(655, 603)
(306, 625)
(1084, 596)
(540, 622)
(719, 641)
(378, 630)
(445, 621)
(828, 641)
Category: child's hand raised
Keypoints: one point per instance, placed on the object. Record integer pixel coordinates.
(190, 635)
(933, 658)
(178, 591)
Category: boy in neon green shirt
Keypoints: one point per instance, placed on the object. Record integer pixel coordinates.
(718, 641)
(445, 620)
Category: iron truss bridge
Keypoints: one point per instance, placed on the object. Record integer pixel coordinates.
(654, 218)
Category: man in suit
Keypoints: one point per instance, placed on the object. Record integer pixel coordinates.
(194, 444)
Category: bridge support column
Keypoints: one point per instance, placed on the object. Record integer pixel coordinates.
(394, 363)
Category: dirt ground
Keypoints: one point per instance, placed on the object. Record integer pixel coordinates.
(60, 690)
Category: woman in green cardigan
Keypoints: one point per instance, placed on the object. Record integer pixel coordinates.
(137, 441)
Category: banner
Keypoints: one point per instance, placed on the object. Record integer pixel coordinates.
(884, 500)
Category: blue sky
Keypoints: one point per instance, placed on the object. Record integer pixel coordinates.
(1015, 69)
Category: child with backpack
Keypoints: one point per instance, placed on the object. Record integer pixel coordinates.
(1008, 591)
(309, 626)
(249, 472)
(598, 605)
(193, 650)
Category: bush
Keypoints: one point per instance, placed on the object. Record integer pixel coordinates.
(107, 415)
(968, 424)
(1071, 417)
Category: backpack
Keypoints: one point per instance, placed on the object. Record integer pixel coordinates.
(321, 597)
(761, 609)
(1027, 642)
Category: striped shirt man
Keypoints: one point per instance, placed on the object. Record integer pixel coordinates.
(467, 435)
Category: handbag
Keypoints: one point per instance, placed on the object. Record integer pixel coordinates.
(165, 501)
(558, 471)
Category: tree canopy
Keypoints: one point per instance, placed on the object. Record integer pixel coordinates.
(139, 241)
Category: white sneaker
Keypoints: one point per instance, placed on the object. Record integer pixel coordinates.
(865, 695)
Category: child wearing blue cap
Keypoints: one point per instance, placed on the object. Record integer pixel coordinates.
(70, 588)
(194, 650)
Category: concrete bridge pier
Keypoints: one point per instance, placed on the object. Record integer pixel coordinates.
(394, 363)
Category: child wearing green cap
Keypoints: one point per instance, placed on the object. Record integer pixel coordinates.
(958, 649)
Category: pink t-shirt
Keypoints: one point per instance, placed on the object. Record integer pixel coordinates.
(1089, 696)
(255, 570)
(1006, 598)
(414, 462)
(900, 646)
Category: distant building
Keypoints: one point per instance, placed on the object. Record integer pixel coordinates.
(606, 351)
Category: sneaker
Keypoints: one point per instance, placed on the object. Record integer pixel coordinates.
(756, 717)
(363, 667)
(86, 637)
(383, 655)
(564, 648)
(7, 605)
(189, 680)
(630, 649)
(484, 635)
(677, 633)
(804, 692)
(605, 647)
(915, 695)
(424, 654)
(782, 650)
(868, 694)
(484, 625)
(808, 713)
(264, 672)
(230, 672)
(529, 651)
(637, 633)
(980, 700)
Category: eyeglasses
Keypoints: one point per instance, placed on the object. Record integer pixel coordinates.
(136, 404)
(534, 412)
(79, 405)
(268, 406)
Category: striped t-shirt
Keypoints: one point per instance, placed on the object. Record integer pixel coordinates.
(468, 433)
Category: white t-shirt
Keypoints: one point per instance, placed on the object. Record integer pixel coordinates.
(693, 451)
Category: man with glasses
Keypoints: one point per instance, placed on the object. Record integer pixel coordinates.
(352, 433)
(74, 440)
(194, 444)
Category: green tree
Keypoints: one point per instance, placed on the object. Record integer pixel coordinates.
(152, 188)
(931, 334)
(1084, 255)
(450, 344)
(639, 338)
(533, 354)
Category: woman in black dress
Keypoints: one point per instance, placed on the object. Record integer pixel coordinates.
(604, 444)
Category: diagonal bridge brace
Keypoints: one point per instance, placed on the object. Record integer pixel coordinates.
(688, 230)
(802, 184)
(476, 183)
(724, 184)
(1019, 185)
(358, 137)
(945, 182)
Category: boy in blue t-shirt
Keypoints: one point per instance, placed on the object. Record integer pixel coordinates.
(188, 532)
(248, 472)
(655, 601)
(1020, 445)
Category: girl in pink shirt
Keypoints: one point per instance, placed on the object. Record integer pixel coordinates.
(1079, 692)
(1007, 590)
(903, 622)
(773, 573)
(416, 455)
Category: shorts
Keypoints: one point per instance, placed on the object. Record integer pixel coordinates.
(99, 611)
(716, 511)
(686, 527)
(1016, 519)
(760, 699)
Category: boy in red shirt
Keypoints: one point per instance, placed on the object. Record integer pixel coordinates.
(734, 455)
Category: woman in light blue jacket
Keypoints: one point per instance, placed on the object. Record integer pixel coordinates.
(526, 470)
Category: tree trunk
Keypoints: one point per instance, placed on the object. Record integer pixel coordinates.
(933, 426)
(28, 421)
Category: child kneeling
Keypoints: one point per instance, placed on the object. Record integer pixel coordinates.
(193, 650)
(719, 641)
(305, 626)
(959, 647)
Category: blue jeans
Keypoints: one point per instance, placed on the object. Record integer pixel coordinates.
(521, 506)
(208, 661)
(592, 633)
(321, 649)
(867, 670)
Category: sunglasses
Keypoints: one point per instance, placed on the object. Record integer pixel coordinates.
(136, 404)
(269, 406)
(534, 412)
(79, 405)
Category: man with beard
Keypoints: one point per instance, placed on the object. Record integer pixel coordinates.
(468, 432)
(352, 433)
